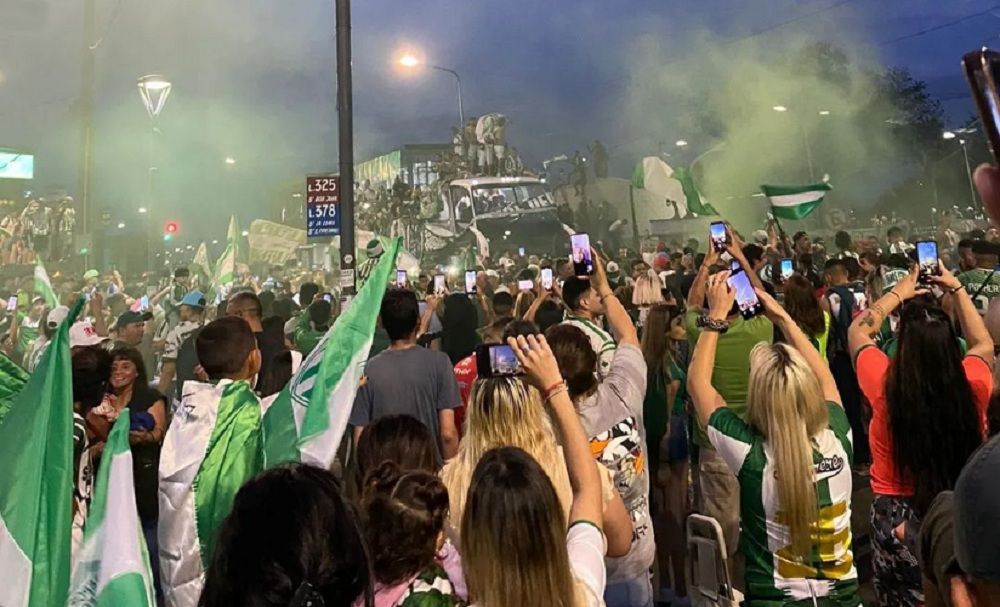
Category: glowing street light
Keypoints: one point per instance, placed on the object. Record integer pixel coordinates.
(410, 60)
(246, 233)
(948, 135)
(215, 242)
(780, 108)
(154, 90)
(121, 225)
(681, 143)
(142, 210)
(230, 160)
(824, 112)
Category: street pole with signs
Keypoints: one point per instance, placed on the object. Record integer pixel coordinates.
(345, 121)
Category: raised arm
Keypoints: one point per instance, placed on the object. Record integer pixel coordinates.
(705, 397)
(735, 249)
(977, 336)
(798, 340)
(618, 318)
(696, 296)
(543, 373)
(862, 331)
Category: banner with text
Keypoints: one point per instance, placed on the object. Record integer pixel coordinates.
(273, 243)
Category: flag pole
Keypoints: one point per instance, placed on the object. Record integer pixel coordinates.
(635, 224)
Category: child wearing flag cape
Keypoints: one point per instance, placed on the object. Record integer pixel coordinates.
(212, 448)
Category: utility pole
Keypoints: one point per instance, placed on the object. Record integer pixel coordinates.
(85, 107)
(345, 133)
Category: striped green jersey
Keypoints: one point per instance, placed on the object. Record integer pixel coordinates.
(774, 576)
(982, 285)
(600, 340)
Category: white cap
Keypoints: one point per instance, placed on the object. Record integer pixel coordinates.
(612, 267)
(492, 273)
(82, 333)
(56, 316)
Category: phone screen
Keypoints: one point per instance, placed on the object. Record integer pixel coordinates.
(328, 297)
(746, 298)
(583, 263)
(927, 258)
(12, 303)
(547, 279)
(717, 234)
(497, 360)
(520, 251)
(525, 285)
(470, 282)
(401, 279)
(438, 284)
(786, 269)
(144, 303)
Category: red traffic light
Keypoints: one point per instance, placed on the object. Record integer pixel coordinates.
(171, 227)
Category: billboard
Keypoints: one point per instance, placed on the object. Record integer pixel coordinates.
(14, 165)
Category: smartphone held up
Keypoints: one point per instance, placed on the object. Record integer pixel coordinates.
(927, 260)
(746, 298)
(583, 261)
(719, 236)
(497, 360)
(982, 70)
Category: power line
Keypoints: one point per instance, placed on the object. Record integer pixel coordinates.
(107, 26)
(938, 27)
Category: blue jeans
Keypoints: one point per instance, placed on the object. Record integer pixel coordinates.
(637, 592)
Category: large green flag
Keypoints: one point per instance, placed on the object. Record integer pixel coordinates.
(225, 267)
(43, 286)
(112, 567)
(36, 482)
(695, 202)
(795, 202)
(307, 419)
(12, 381)
(213, 446)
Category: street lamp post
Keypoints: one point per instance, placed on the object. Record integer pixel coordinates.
(949, 135)
(411, 60)
(154, 90)
(805, 139)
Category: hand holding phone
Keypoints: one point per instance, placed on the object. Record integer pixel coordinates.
(12, 303)
(927, 260)
(497, 360)
(547, 279)
(401, 279)
(470, 282)
(525, 285)
(786, 271)
(718, 235)
(439, 284)
(746, 298)
(582, 256)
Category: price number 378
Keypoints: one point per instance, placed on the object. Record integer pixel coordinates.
(322, 211)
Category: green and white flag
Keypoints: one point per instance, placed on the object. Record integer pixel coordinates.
(43, 286)
(112, 567)
(36, 482)
(202, 266)
(12, 381)
(696, 203)
(306, 421)
(212, 448)
(225, 267)
(658, 177)
(795, 202)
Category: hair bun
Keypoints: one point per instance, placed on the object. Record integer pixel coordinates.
(382, 478)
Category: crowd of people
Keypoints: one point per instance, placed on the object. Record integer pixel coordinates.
(37, 228)
(644, 393)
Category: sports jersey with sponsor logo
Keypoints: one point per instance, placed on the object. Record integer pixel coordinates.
(774, 575)
(983, 286)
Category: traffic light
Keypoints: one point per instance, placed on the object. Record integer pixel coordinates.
(170, 229)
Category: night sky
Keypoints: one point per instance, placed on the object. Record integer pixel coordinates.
(254, 79)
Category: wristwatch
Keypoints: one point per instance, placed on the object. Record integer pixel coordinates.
(710, 324)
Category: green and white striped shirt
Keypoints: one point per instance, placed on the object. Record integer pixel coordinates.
(600, 340)
(774, 576)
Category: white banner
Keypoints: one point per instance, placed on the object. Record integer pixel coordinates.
(272, 242)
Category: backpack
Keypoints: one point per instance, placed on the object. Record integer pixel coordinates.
(842, 320)
(187, 360)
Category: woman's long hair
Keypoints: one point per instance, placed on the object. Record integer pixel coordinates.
(514, 535)
(802, 305)
(523, 303)
(785, 404)
(648, 290)
(503, 412)
(289, 526)
(458, 327)
(403, 513)
(656, 343)
(933, 419)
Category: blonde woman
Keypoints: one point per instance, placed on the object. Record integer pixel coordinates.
(792, 457)
(508, 412)
(518, 546)
(646, 294)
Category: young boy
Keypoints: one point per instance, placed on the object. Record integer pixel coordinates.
(214, 442)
